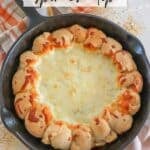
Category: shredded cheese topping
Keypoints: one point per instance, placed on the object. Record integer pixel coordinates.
(77, 84)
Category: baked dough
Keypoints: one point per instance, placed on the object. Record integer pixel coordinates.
(124, 61)
(28, 58)
(62, 37)
(79, 33)
(82, 138)
(132, 80)
(110, 47)
(24, 79)
(119, 122)
(42, 43)
(77, 88)
(100, 129)
(129, 102)
(59, 135)
(24, 101)
(37, 119)
(95, 38)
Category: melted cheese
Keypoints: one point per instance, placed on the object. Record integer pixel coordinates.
(77, 84)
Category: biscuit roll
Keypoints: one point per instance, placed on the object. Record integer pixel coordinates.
(119, 122)
(24, 101)
(43, 44)
(129, 102)
(37, 120)
(110, 47)
(58, 135)
(28, 59)
(132, 80)
(95, 38)
(100, 128)
(124, 61)
(82, 138)
(24, 79)
(78, 32)
(62, 38)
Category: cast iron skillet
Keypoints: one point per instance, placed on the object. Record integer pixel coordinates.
(40, 24)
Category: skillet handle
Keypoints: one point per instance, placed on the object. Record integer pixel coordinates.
(34, 17)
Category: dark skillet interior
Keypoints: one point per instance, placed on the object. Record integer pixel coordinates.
(130, 43)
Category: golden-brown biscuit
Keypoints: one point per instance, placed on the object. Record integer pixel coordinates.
(24, 101)
(24, 79)
(129, 102)
(62, 37)
(124, 61)
(28, 59)
(78, 32)
(95, 38)
(100, 129)
(58, 135)
(110, 47)
(51, 131)
(42, 44)
(37, 120)
(132, 80)
(119, 122)
(63, 139)
(82, 138)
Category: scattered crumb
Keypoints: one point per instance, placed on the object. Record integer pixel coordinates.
(73, 91)
(73, 61)
(131, 26)
(122, 17)
(67, 75)
(55, 86)
(116, 15)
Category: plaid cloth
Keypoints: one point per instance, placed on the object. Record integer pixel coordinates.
(13, 23)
